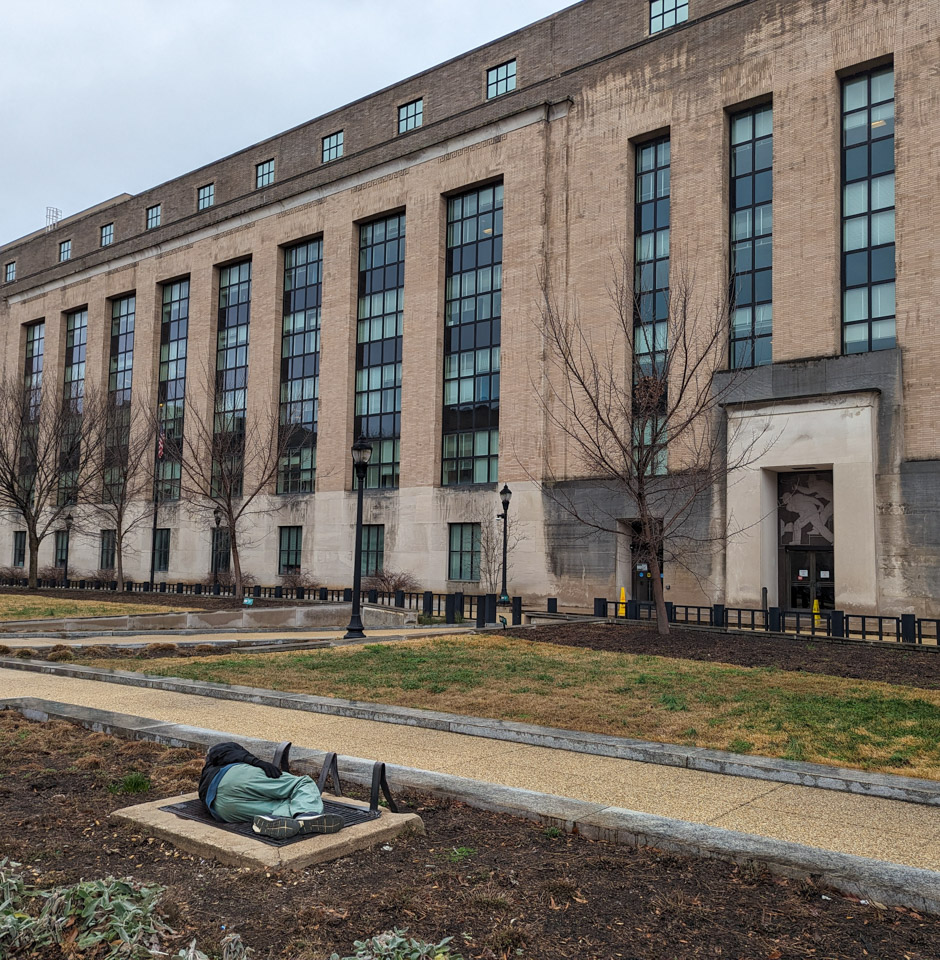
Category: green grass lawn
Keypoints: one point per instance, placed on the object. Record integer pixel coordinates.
(797, 716)
(14, 607)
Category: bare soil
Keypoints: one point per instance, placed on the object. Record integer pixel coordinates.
(898, 663)
(503, 887)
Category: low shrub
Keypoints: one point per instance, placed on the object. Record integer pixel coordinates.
(4, 650)
(134, 782)
(25, 653)
(58, 656)
(388, 581)
(305, 580)
(161, 649)
(393, 945)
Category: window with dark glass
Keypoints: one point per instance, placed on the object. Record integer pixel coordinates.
(161, 550)
(107, 235)
(205, 196)
(35, 351)
(153, 216)
(464, 554)
(171, 388)
(373, 549)
(264, 174)
(651, 311)
(501, 79)
(107, 550)
(300, 366)
(291, 542)
(667, 13)
(73, 403)
(9, 272)
(333, 146)
(65, 251)
(472, 319)
(410, 115)
(868, 258)
(19, 548)
(752, 145)
(121, 369)
(231, 379)
(379, 345)
(221, 550)
(61, 549)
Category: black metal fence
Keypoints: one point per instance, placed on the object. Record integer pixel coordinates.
(835, 624)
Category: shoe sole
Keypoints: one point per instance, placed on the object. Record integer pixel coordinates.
(277, 828)
(325, 823)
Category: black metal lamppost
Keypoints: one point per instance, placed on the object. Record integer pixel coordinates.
(505, 495)
(217, 514)
(68, 545)
(361, 454)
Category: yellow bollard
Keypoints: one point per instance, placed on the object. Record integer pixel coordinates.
(622, 606)
(817, 619)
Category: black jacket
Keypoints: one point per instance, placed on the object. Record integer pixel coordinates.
(221, 755)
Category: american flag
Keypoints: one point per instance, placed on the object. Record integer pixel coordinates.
(161, 441)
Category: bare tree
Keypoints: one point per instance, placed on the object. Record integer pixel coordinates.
(230, 460)
(45, 451)
(121, 470)
(491, 547)
(640, 402)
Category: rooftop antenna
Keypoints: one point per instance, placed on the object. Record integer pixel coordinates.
(53, 215)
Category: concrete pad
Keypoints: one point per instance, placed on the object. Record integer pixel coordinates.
(240, 851)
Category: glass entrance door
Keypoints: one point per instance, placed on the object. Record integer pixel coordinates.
(642, 583)
(811, 575)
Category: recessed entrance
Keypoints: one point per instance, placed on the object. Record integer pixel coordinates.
(806, 540)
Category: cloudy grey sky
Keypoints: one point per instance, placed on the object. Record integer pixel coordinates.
(101, 97)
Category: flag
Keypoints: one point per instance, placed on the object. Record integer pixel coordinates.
(161, 442)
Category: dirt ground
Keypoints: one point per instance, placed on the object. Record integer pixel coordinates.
(890, 664)
(503, 887)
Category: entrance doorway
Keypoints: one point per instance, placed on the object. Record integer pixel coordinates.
(642, 576)
(811, 576)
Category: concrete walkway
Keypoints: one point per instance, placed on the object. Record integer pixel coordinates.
(888, 830)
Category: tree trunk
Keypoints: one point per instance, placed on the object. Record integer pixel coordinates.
(236, 562)
(662, 620)
(33, 555)
(119, 557)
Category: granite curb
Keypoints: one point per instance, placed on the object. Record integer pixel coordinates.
(884, 883)
(885, 786)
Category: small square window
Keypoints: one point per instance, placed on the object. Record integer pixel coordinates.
(9, 272)
(153, 216)
(410, 116)
(65, 251)
(501, 79)
(667, 13)
(264, 174)
(333, 146)
(206, 196)
(107, 234)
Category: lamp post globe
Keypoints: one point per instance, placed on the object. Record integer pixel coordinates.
(505, 495)
(361, 455)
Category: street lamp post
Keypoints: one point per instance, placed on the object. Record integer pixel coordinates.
(361, 454)
(505, 495)
(217, 514)
(68, 545)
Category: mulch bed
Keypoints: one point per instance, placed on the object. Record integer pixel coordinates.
(889, 664)
(503, 887)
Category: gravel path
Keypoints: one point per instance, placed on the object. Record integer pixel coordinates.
(869, 827)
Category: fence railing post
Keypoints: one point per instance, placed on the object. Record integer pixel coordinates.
(427, 604)
(516, 611)
(450, 609)
(908, 628)
(458, 603)
(553, 604)
(837, 624)
(633, 610)
(491, 608)
(481, 611)
(670, 611)
(773, 619)
(600, 607)
(718, 615)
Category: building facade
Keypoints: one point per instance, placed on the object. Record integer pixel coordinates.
(378, 270)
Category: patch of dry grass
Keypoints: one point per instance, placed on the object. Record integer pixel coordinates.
(45, 608)
(797, 716)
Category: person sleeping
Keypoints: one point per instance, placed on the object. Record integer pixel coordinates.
(237, 787)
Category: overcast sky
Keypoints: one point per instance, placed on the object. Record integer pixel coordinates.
(101, 97)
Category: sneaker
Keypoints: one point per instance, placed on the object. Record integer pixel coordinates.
(277, 828)
(320, 823)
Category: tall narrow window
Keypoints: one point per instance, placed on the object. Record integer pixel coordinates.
(9, 272)
(107, 550)
(171, 388)
(410, 116)
(61, 548)
(667, 13)
(65, 251)
(19, 548)
(752, 145)
(373, 549)
(300, 366)
(73, 403)
(120, 374)
(161, 550)
(868, 263)
(205, 196)
(264, 174)
(231, 379)
(651, 315)
(501, 79)
(333, 146)
(32, 394)
(378, 348)
(291, 542)
(221, 550)
(472, 312)
(464, 554)
(107, 235)
(153, 216)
